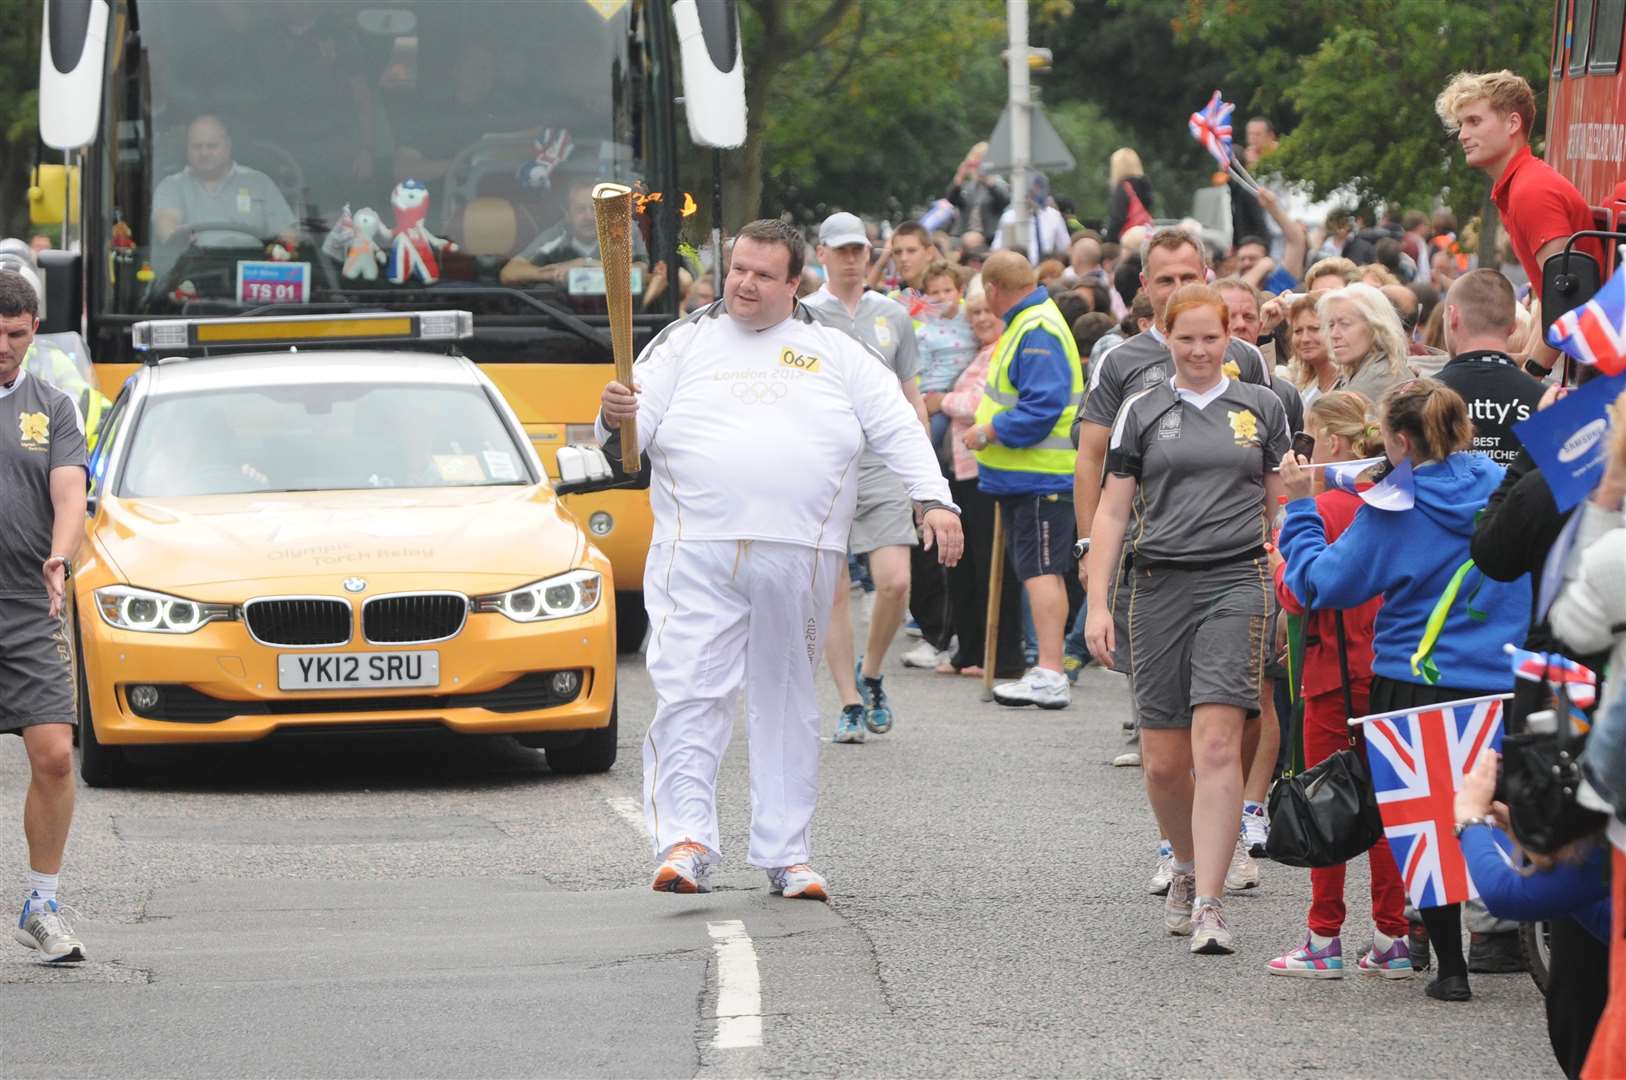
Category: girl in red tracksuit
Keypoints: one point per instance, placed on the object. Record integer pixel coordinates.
(1342, 432)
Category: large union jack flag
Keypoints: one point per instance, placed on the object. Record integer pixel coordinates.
(1595, 332)
(1418, 760)
(1212, 127)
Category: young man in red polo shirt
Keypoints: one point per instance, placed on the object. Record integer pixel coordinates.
(1492, 115)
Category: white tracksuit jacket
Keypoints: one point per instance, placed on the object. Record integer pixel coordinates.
(753, 440)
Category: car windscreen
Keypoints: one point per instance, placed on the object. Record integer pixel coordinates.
(318, 437)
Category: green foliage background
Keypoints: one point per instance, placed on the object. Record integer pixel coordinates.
(868, 105)
(19, 108)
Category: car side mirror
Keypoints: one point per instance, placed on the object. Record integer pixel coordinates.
(584, 468)
(1568, 280)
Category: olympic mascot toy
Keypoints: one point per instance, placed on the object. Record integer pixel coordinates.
(415, 251)
(362, 255)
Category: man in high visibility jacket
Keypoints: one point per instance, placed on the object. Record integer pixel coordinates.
(1025, 459)
(50, 362)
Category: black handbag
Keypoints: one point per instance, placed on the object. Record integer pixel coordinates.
(1326, 815)
(1541, 772)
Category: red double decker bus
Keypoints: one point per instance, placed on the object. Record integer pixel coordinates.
(1586, 104)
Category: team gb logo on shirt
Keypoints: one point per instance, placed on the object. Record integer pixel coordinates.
(36, 430)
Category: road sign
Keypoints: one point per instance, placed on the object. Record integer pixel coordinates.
(1048, 151)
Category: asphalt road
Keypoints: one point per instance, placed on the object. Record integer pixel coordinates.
(415, 906)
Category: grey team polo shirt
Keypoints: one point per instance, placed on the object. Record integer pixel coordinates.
(1199, 468)
(1144, 361)
(245, 197)
(882, 324)
(40, 430)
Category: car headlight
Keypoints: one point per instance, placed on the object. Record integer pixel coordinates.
(575, 593)
(128, 608)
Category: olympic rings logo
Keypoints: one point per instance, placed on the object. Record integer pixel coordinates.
(761, 392)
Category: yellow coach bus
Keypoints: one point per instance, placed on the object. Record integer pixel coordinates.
(236, 159)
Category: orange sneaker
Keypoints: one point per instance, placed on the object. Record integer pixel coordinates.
(686, 869)
(799, 882)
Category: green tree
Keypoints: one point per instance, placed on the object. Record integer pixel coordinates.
(19, 108)
(1126, 60)
(865, 106)
(1362, 100)
(1092, 138)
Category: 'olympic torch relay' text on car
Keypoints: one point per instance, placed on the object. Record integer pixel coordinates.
(337, 538)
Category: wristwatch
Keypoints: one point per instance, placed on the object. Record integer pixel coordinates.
(1487, 821)
(1081, 548)
(1533, 368)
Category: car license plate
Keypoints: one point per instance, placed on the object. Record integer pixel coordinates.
(357, 671)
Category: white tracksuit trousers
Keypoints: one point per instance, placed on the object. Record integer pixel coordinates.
(725, 614)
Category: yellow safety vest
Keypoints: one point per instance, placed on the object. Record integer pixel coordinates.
(1054, 453)
(49, 363)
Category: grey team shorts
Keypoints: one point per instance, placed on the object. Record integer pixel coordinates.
(885, 515)
(36, 665)
(1197, 637)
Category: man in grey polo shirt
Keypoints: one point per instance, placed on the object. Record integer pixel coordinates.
(214, 190)
(42, 521)
(884, 526)
(573, 242)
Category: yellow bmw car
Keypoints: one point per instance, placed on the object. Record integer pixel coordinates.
(340, 539)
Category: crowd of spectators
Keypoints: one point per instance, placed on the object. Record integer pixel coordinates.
(1179, 365)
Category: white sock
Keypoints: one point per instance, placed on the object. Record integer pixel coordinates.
(39, 885)
(1250, 807)
(1185, 867)
(1381, 942)
(1318, 941)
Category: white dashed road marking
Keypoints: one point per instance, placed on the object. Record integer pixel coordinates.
(629, 810)
(739, 987)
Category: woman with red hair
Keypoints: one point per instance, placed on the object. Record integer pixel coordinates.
(1193, 460)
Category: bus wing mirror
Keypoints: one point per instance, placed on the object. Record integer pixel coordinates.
(1568, 280)
(72, 56)
(708, 33)
(583, 468)
(64, 305)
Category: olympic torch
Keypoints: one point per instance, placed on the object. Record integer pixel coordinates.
(612, 212)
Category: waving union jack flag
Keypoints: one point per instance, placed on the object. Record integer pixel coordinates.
(1212, 128)
(1580, 681)
(1595, 332)
(1418, 760)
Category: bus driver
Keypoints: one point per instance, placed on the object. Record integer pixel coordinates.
(216, 194)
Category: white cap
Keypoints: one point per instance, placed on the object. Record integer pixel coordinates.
(841, 229)
(13, 245)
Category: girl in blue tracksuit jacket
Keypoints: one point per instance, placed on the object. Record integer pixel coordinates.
(1412, 558)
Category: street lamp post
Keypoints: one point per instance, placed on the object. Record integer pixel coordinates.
(1016, 17)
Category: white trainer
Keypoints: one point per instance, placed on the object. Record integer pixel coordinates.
(1255, 832)
(799, 882)
(1040, 686)
(1209, 932)
(1244, 871)
(1165, 869)
(686, 869)
(44, 926)
(1177, 905)
(923, 655)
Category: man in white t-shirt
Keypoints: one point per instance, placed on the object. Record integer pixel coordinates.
(754, 416)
